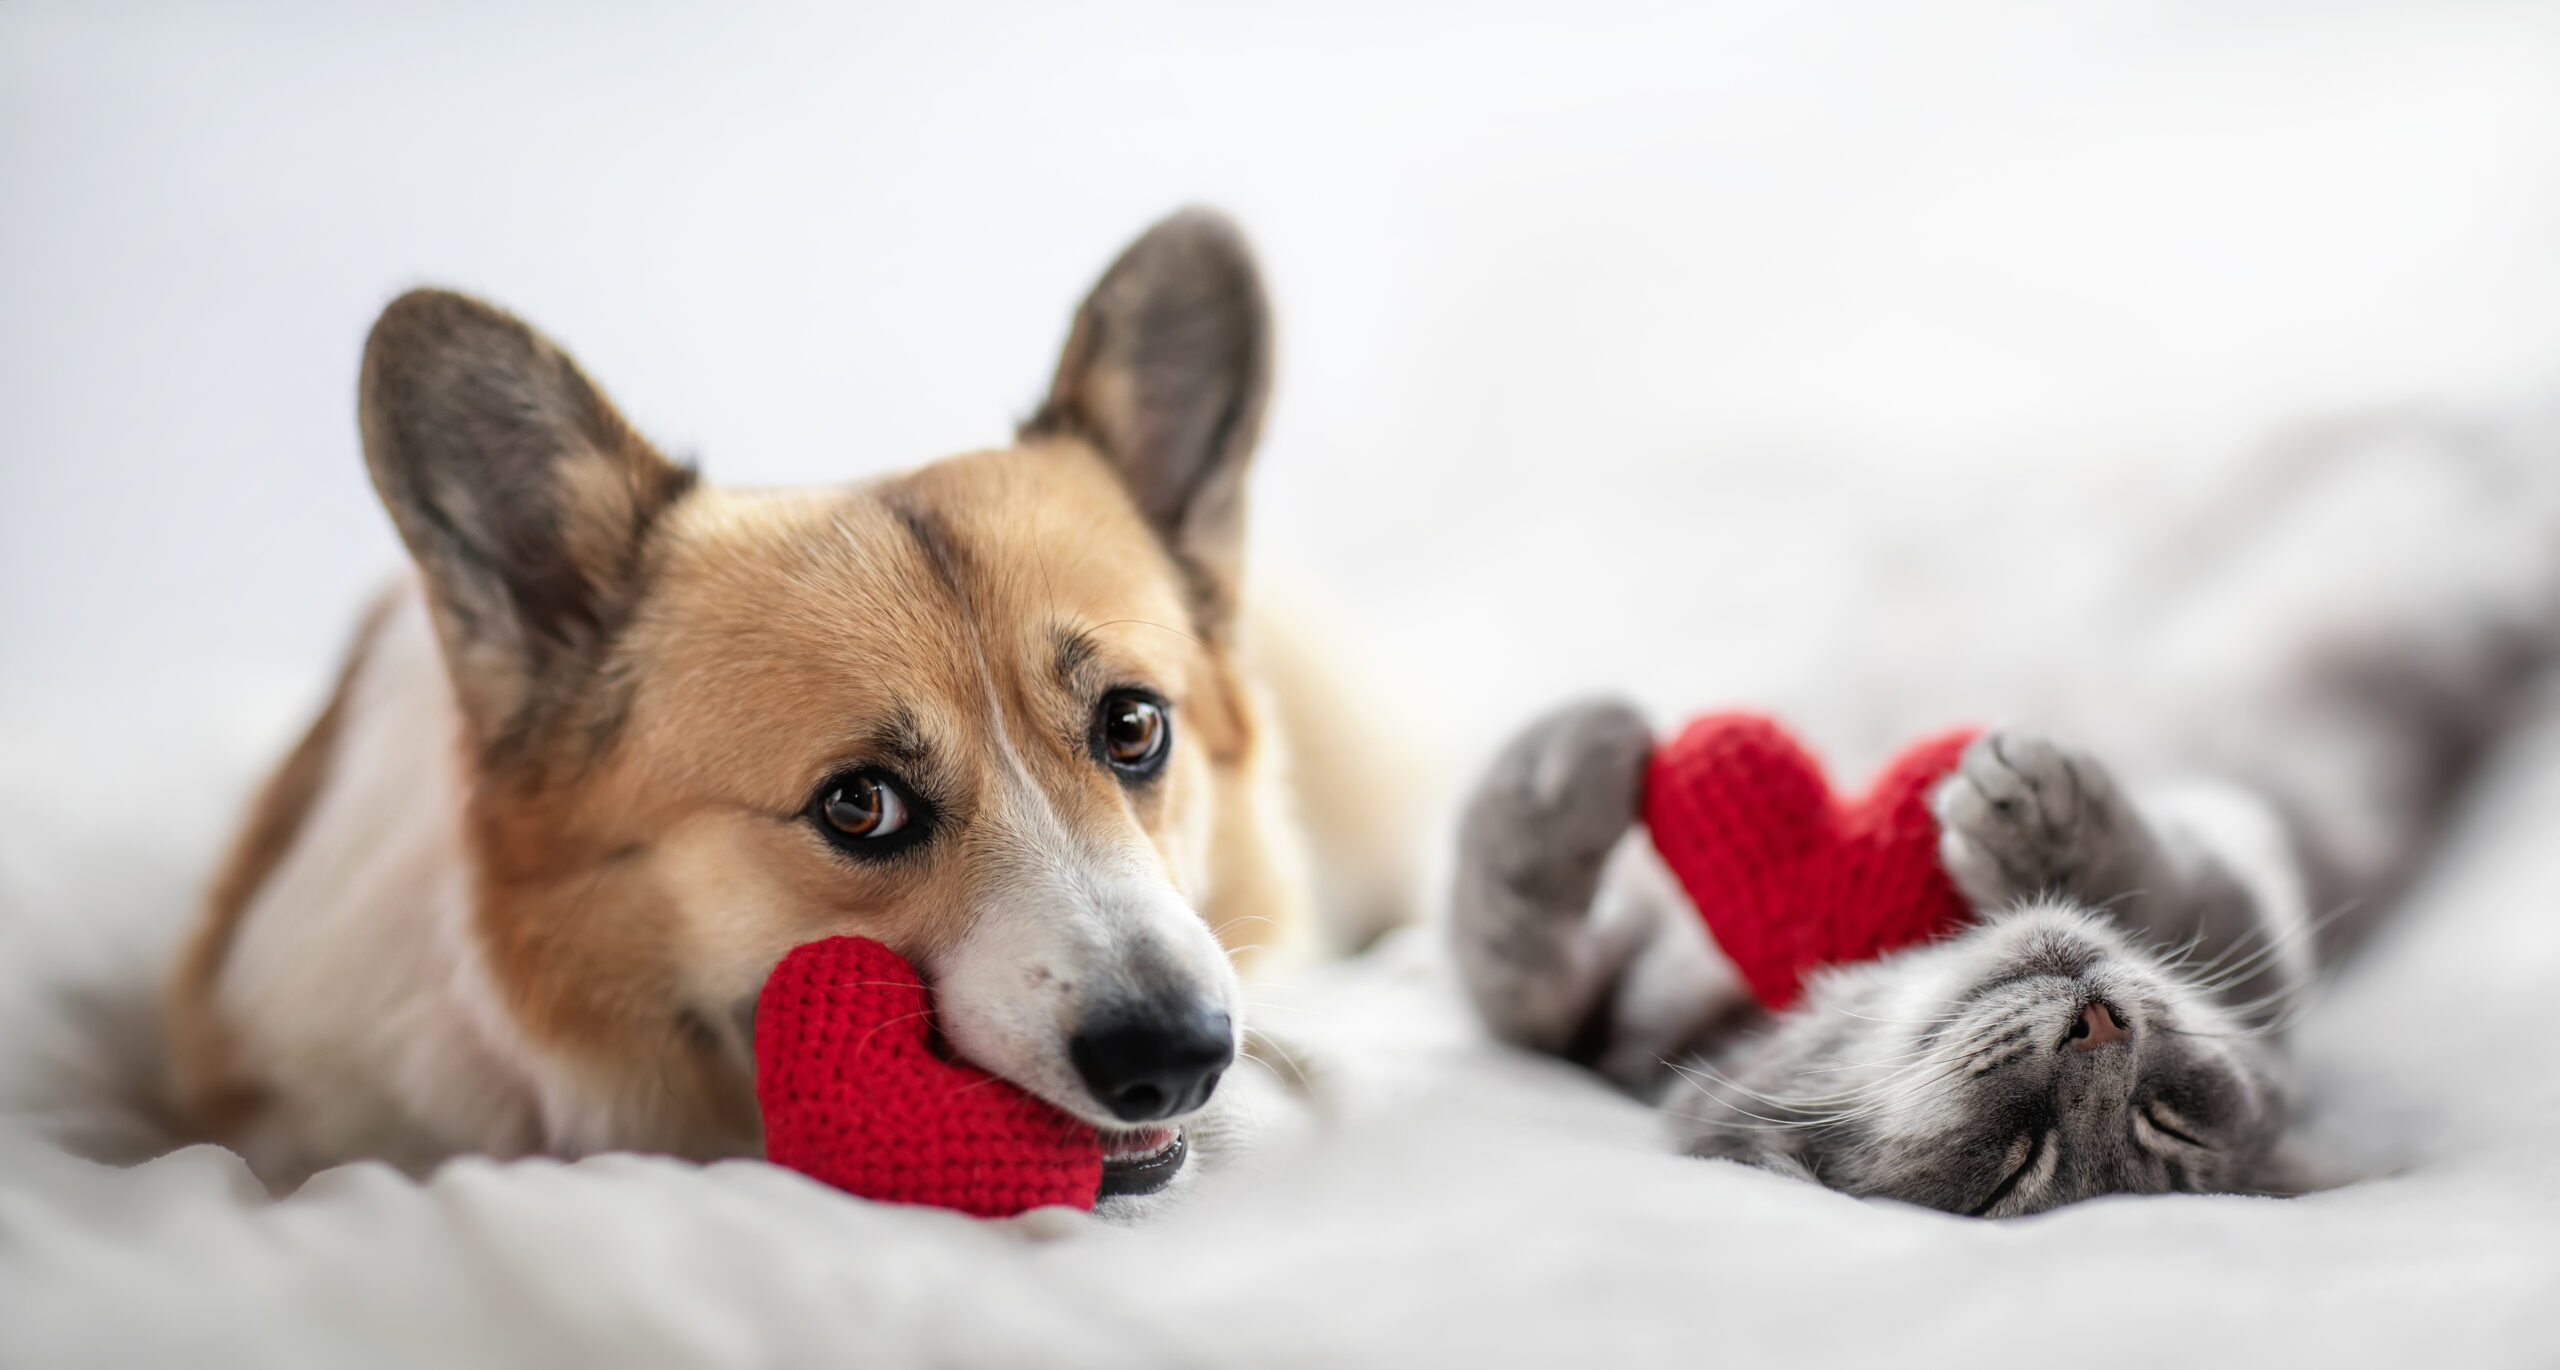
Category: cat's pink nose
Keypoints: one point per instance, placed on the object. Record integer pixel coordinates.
(2097, 1027)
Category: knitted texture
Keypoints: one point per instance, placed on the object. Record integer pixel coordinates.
(1788, 877)
(854, 1095)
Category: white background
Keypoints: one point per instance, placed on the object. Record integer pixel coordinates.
(1612, 335)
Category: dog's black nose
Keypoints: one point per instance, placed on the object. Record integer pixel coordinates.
(1154, 1064)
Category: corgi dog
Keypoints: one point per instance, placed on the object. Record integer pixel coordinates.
(625, 738)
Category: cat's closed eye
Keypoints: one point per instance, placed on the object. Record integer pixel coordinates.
(2028, 1166)
(2157, 1127)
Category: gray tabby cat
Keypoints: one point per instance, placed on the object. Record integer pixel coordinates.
(2114, 1020)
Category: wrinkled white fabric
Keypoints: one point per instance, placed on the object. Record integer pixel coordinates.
(1457, 1204)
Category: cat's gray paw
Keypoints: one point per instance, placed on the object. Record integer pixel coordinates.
(1531, 845)
(1557, 799)
(2021, 817)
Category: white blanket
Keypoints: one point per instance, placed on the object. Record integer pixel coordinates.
(1454, 1203)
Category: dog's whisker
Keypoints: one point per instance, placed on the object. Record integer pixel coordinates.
(887, 1023)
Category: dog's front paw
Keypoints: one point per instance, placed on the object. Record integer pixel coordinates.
(2021, 817)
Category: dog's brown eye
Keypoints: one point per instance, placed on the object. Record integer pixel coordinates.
(1132, 732)
(863, 806)
(869, 814)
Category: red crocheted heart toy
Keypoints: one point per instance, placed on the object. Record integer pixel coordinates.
(854, 1095)
(1788, 877)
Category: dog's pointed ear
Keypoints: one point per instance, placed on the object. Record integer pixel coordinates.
(1166, 371)
(525, 498)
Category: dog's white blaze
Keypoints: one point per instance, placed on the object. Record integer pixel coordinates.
(355, 980)
(1062, 923)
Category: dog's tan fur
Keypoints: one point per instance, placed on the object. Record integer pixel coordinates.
(630, 719)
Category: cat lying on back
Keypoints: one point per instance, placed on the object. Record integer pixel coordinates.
(2105, 1027)
(2113, 1021)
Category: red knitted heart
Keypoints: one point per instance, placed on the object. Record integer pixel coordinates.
(1787, 876)
(853, 1095)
